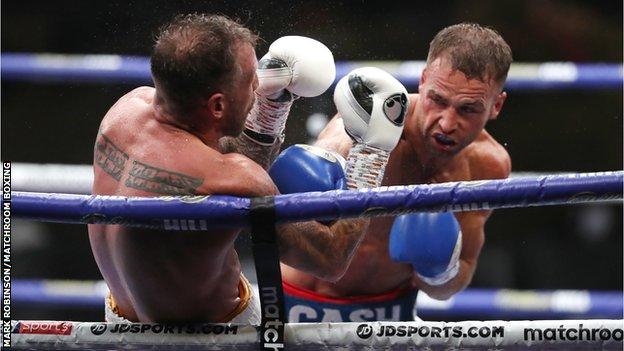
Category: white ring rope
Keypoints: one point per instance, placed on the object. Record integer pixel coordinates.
(468, 335)
(78, 179)
(53, 178)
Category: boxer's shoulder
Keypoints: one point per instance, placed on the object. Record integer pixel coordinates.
(237, 175)
(413, 99)
(140, 96)
(127, 108)
(487, 158)
(192, 169)
(144, 93)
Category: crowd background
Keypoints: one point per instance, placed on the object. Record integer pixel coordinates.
(559, 247)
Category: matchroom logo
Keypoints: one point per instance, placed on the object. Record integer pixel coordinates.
(364, 331)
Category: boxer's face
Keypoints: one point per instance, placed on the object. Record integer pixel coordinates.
(241, 97)
(453, 110)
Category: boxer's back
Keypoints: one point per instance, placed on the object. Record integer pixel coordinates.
(157, 275)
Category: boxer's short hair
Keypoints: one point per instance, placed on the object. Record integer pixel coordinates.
(478, 52)
(195, 55)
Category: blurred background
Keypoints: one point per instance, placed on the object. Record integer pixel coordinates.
(571, 247)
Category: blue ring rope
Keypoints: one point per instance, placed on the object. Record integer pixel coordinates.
(135, 70)
(497, 303)
(219, 211)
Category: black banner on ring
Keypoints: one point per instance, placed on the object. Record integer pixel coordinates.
(266, 258)
(6, 255)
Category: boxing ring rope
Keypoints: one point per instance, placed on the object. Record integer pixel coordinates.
(78, 179)
(44, 67)
(469, 335)
(220, 211)
(485, 303)
(53, 178)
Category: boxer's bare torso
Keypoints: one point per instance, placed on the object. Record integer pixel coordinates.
(372, 271)
(158, 275)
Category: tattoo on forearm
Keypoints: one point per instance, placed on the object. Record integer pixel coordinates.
(145, 177)
(109, 157)
(227, 145)
(261, 154)
(349, 233)
(304, 247)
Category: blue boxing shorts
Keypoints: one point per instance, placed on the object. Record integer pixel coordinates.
(307, 306)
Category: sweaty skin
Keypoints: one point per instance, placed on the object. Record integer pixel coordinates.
(157, 275)
(142, 149)
(443, 140)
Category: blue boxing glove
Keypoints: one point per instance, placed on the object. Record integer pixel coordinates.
(302, 168)
(431, 242)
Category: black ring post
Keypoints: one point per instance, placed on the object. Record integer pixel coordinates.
(266, 258)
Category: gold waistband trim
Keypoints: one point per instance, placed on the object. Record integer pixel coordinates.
(244, 294)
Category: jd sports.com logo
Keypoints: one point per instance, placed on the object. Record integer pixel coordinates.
(98, 329)
(364, 331)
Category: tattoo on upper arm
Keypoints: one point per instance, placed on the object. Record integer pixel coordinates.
(109, 157)
(261, 154)
(161, 181)
(227, 144)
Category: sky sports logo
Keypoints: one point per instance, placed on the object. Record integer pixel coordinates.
(50, 328)
(365, 331)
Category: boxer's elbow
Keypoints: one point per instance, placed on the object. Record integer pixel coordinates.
(321, 250)
(439, 292)
(331, 275)
(335, 270)
(447, 290)
(312, 248)
(332, 265)
(321, 268)
(346, 236)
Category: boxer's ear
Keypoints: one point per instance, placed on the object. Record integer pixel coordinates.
(423, 79)
(498, 105)
(215, 105)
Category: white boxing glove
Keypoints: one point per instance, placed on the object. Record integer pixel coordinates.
(294, 66)
(303, 66)
(373, 105)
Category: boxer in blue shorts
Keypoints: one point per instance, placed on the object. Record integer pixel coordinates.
(444, 139)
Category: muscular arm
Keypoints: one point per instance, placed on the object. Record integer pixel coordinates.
(473, 236)
(334, 138)
(494, 164)
(322, 251)
(317, 249)
(332, 252)
(261, 154)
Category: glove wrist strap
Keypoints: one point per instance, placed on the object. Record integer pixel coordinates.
(268, 117)
(262, 139)
(365, 166)
(443, 277)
